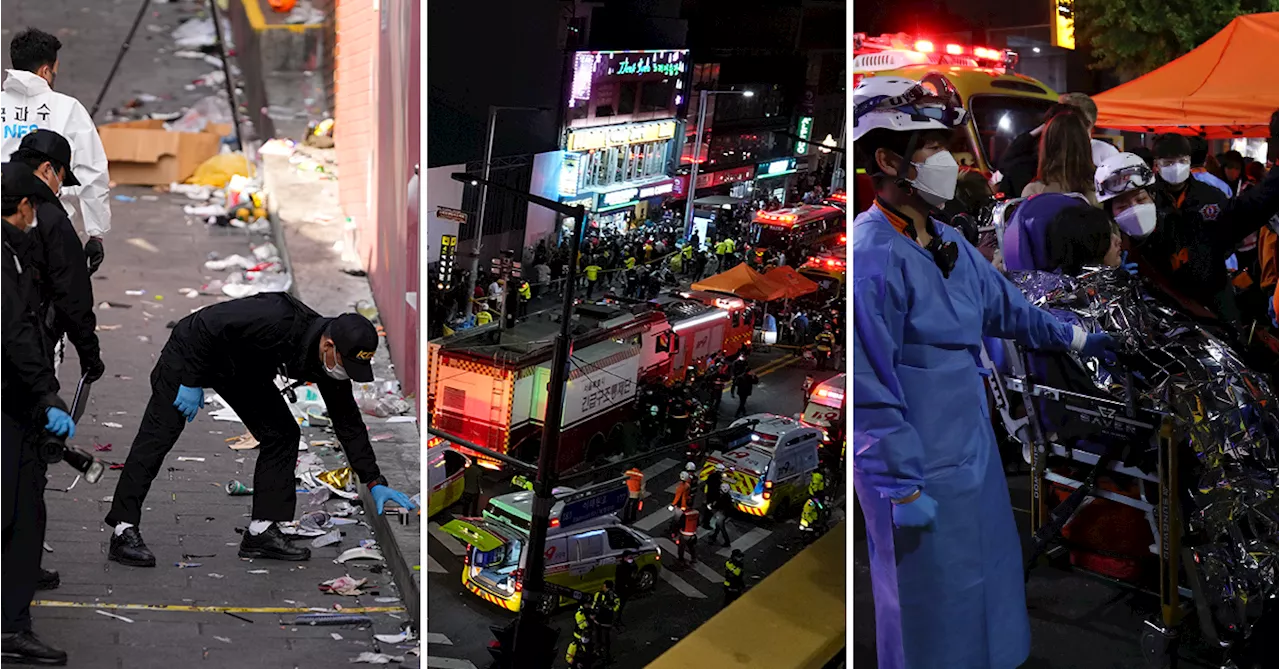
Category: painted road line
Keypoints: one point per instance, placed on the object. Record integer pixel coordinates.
(448, 663)
(706, 572)
(438, 638)
(184, 608)
(746, 541)
(659, 467)
(434, 567)
(680, 584)
(649, 522)
(456, 547)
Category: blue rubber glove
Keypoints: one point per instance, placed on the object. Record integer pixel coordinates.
(1271, 310)
(1130, 267)
(919, 513)
(189, 401)
(1100, 346)
(382, 493)
(60, 423)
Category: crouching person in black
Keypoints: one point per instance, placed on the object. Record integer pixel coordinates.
(237, 348)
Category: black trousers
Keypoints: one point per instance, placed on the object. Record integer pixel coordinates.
(24, 520)
(630, 511)
(742, 406)
(265, 413)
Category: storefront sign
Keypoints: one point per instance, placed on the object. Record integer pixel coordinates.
(666, 63)
(589, 139)
(618, 197)
(569, 176)
(722, 177)
(803, 129)
(777, 168)
(455, 215)
(664, 188)
(588, 202)
(1064, 24)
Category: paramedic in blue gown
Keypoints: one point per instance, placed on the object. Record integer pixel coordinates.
(946, 559)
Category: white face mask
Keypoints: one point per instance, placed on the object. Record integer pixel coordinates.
(336, 372)
(1175, 173)
(936, 178)
(1138, 220)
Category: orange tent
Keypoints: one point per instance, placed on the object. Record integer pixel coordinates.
(1224, 88)
(743, 282)
(795, 283)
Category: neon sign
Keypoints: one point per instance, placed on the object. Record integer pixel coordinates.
(804, 128)
(664, 63)
(1064, 24)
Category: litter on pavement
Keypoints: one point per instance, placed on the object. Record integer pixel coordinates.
(113, 615)
(376, 658)
(343, 585)
(360, 553)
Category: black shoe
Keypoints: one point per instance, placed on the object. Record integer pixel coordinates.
(272, 545)
(25, 648)
(48, 580)
(128, 549)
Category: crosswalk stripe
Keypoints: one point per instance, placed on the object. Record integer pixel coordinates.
(438, 638)
(744, 543)
(702, 569)
(448, 663)
(456, 547)
(680, 584)
(658, 517)
(434, 567)
(659, 467)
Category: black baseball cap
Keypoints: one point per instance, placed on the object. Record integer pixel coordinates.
(53, 146)
(356, 340)
(20, 181)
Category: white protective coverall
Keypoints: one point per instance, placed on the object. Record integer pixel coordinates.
(28, 103)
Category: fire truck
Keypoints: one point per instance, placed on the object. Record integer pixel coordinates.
(1001, 103)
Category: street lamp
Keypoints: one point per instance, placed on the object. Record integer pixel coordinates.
(692, 190)
(474, 263)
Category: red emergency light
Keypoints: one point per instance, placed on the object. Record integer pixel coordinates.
(842, 239)
(768, 217)
(924, 46)
(840, 197)
(955, 49)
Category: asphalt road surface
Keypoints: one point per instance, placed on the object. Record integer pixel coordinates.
(457, 628)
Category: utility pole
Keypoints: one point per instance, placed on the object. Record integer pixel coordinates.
(692, 190)
(531, 626)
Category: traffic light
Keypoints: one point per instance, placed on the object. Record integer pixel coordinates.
(502, 648)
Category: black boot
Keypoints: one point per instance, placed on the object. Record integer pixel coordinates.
(272, 545)
(48, 580)
(128, 549)
(24, 648)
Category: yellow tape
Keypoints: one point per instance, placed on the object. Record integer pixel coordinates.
(210, 609)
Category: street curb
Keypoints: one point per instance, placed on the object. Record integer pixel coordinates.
(401, 571)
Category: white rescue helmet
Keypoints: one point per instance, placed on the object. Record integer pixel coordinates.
(689, 466)
(1121, 173)
(684, 476)
(900, 105)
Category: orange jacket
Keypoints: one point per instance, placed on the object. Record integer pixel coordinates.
(690, 523)
(683, 497)
(635, 482)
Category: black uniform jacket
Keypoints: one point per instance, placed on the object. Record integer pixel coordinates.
(64, 283)
(255, 338)
(29, 384)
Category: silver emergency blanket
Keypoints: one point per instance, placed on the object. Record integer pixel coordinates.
(1224, 410)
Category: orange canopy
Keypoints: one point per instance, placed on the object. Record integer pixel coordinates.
(795, 283)
(1224, 88)
(743, 282)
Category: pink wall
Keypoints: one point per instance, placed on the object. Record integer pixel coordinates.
(377, 103)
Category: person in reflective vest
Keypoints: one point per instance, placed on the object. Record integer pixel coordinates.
(810, 516)
(635, 495)
(734, 583)
(605, 607)
(580, 653)
(817, 485)
(689, 535)
(526, 294)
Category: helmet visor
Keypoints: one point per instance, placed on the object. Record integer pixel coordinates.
(1127, 178)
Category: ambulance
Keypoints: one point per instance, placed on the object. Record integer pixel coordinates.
(768, 472)
(1001, 103)
(445, 468)
(825, 411)
(579, 557)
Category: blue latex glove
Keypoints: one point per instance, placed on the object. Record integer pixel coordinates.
(919, 513)
(1101, 346)
(189, 401)
(382, 493)
(60, 423)
(1271, 309)
(1130, 267)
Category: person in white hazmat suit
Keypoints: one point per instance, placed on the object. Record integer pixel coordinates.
(28, 102)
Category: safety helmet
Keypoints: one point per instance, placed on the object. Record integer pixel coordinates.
(1121, 173)
(684, 476)
(689, 466)
(900, 105)
(719, 466)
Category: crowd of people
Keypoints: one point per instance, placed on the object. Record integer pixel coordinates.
(944, 550)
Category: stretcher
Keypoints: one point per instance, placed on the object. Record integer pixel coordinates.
(1150, 449)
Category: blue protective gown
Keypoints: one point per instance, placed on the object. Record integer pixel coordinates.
(950, 597)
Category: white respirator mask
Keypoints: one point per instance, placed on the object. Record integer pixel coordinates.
(1138, 220)
(936, 178)
(1175, 173)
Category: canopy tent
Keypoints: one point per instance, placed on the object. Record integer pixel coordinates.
(795, 283)
(743, 282)
(1224, 88)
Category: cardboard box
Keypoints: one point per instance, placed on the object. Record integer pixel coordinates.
(143, 153)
